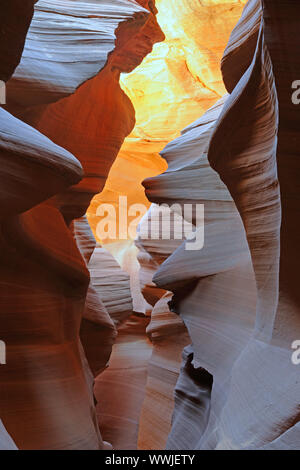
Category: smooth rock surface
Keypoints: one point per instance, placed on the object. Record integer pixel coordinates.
(227, 295)
(46, 396)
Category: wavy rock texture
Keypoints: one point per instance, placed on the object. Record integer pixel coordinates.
(44, 380)
(186, 67)
(112, 284)
(153, 250)
(31, 165)
(46, 396)
(54, 64)
(95, 138)
(190, 180)
(81, 122)
(238, 297)
(187, 166)
(168, 336)
(119, 419)
(35, 167)
(227, 294)
(97, 329)
(166, 331)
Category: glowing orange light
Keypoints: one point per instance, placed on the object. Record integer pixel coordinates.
(174, 86)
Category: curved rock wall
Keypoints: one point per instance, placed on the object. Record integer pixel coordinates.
(234, 295)
(46, 396)
(177, 82)
(63, 297)
(54, 63)
(223, 266)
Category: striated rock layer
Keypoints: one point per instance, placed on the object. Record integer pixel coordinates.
(46, 399)
(186, 68)
(178, 81)
(97, 329)
(120, 390)
(168, 336)
(237, 296)
(68, 42)
(63, 297)
(223, 264)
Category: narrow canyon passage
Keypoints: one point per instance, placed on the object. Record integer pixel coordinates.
(120, 390)
(175, 84)
(149, 170)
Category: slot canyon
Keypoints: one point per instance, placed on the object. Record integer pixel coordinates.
(114, 339)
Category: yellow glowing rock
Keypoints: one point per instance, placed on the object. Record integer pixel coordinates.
(176, 83)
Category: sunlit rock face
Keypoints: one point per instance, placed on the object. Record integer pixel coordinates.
(175, 84)
(81, 122)
(63, 297)
(46, 398)
(234, 295)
